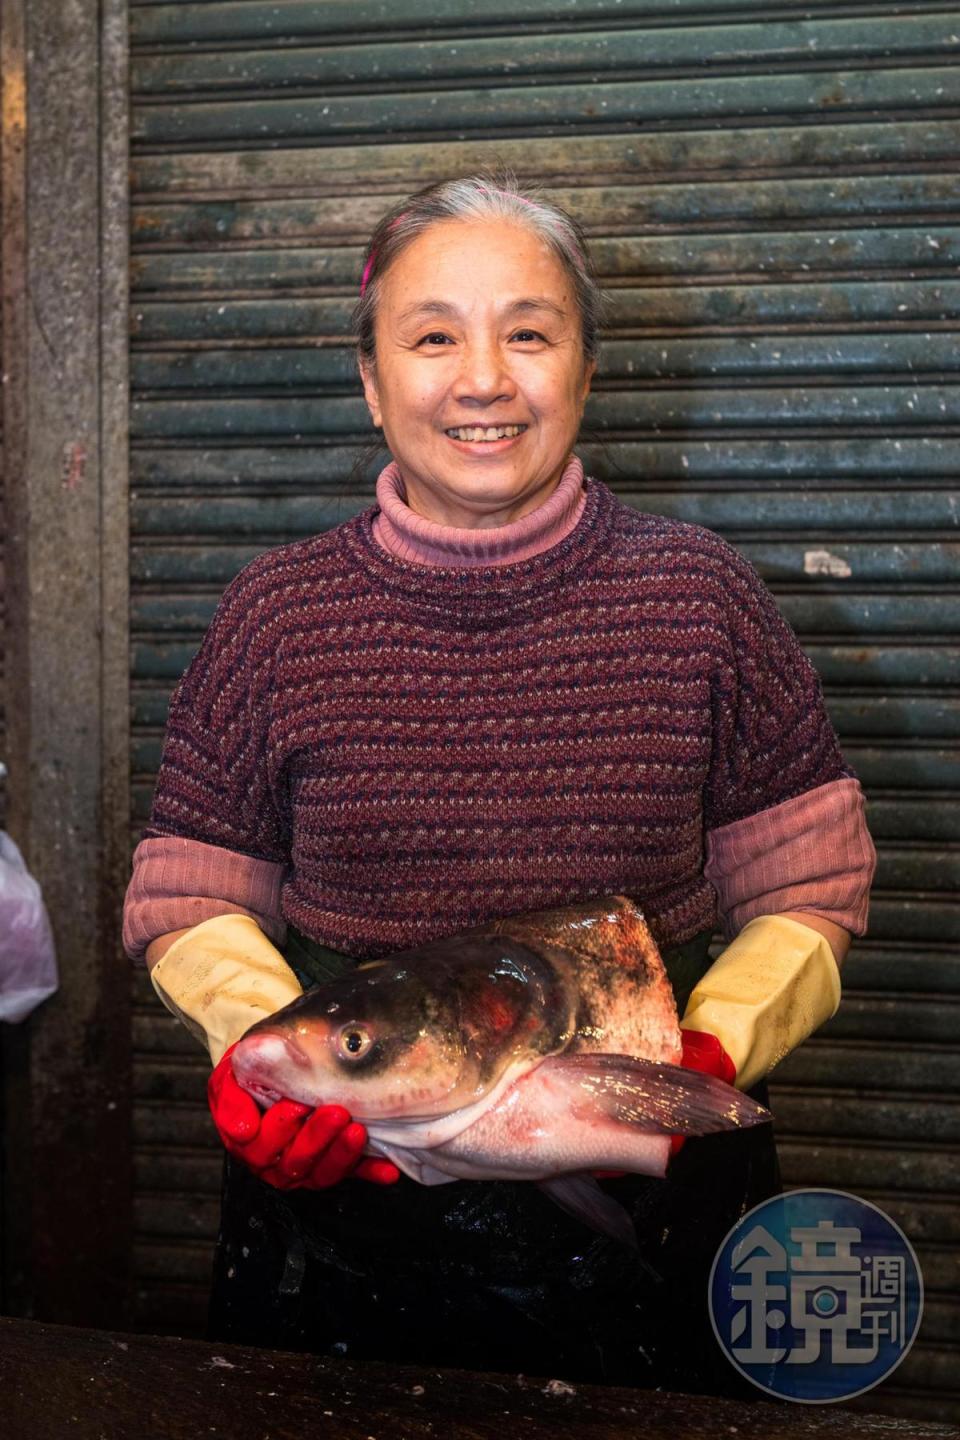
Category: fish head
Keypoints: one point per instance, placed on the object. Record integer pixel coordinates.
(414, 1036)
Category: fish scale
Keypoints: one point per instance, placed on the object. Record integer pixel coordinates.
(625, 994)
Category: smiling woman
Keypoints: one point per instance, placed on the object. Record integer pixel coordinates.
(498, 690)
(477, 328)
(478, 374)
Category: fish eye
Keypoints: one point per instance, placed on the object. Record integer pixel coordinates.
(353, 1041)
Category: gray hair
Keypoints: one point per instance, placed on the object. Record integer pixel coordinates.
(478, 197)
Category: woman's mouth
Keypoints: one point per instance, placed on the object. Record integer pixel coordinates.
(485, 434)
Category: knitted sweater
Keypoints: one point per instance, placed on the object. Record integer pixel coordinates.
(412, 750)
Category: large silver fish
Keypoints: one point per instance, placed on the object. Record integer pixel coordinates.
(541, 1047)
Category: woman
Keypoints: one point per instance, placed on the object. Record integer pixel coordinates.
(497, 689)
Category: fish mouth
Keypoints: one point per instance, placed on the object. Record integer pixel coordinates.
(262, 1093)
(258, 1058)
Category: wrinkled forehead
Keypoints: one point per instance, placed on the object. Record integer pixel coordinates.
(497, 264)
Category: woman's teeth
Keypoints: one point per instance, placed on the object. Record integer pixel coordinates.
(486, 432)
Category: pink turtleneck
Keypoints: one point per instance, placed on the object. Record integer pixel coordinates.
(408, 536)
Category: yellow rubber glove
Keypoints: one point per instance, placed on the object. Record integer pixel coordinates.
(770, 989)
(221, 977)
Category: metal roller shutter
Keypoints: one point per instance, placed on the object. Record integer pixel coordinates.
(773, 206)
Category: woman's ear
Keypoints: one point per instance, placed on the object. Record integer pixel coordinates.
(371, 394)
(589, 370)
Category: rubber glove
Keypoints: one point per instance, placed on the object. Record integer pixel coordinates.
(292, 1146)
(703, 1052)
(773, 986)
(221, 977)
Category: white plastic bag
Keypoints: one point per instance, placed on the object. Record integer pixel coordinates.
(28, 964)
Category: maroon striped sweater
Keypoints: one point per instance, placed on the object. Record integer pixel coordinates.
(424, 748)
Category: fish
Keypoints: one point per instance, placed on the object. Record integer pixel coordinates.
(539, 1047)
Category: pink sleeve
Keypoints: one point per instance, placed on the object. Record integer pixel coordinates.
(813, 853)
(177, 883)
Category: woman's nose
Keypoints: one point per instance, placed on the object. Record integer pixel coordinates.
(484, 375)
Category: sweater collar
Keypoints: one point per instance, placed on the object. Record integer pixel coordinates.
(483, 596)
(411, 537)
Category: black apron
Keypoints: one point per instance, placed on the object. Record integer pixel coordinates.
(492, 1275)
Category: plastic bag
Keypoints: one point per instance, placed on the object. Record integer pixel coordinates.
(28, 962)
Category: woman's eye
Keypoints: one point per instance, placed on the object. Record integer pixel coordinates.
(436, 337)
(526, 335)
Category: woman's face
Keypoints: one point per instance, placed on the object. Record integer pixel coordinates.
(480, 378)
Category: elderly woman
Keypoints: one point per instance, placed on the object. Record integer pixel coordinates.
(497, 689)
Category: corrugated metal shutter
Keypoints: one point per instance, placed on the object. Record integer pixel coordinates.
(773, 206)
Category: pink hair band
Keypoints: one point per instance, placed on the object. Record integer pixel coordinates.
(366, 272)
(371, 258)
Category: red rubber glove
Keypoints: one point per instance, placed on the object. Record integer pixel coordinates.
(292, 1146)
(703, 1051)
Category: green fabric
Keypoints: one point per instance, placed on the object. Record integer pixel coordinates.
(314, 964)
(685, 964)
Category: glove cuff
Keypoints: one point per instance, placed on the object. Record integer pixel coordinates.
(221, 977)
(773, 986)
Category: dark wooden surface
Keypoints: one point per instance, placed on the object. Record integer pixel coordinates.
(94, 1385)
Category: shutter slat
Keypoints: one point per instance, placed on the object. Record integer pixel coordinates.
(187, 22)
(155, 372)
(907, 143)
(710, 307)
(552, 107)
(183, 1262)
(329, 69)
(798, 1113)
(173, 1213)
(842, 1165)
(308, 271)
(864, 1065)
(170, 1123)
(869, 562)
(821, 406)
(603, 209)
(820, 465)
(296, 516)
(197, 1173)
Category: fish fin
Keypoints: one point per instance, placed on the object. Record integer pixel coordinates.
(652, 1096)
(581, 1197)
(409, 1162)
(430, 1175)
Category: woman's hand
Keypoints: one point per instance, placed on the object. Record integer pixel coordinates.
(292, 1146)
